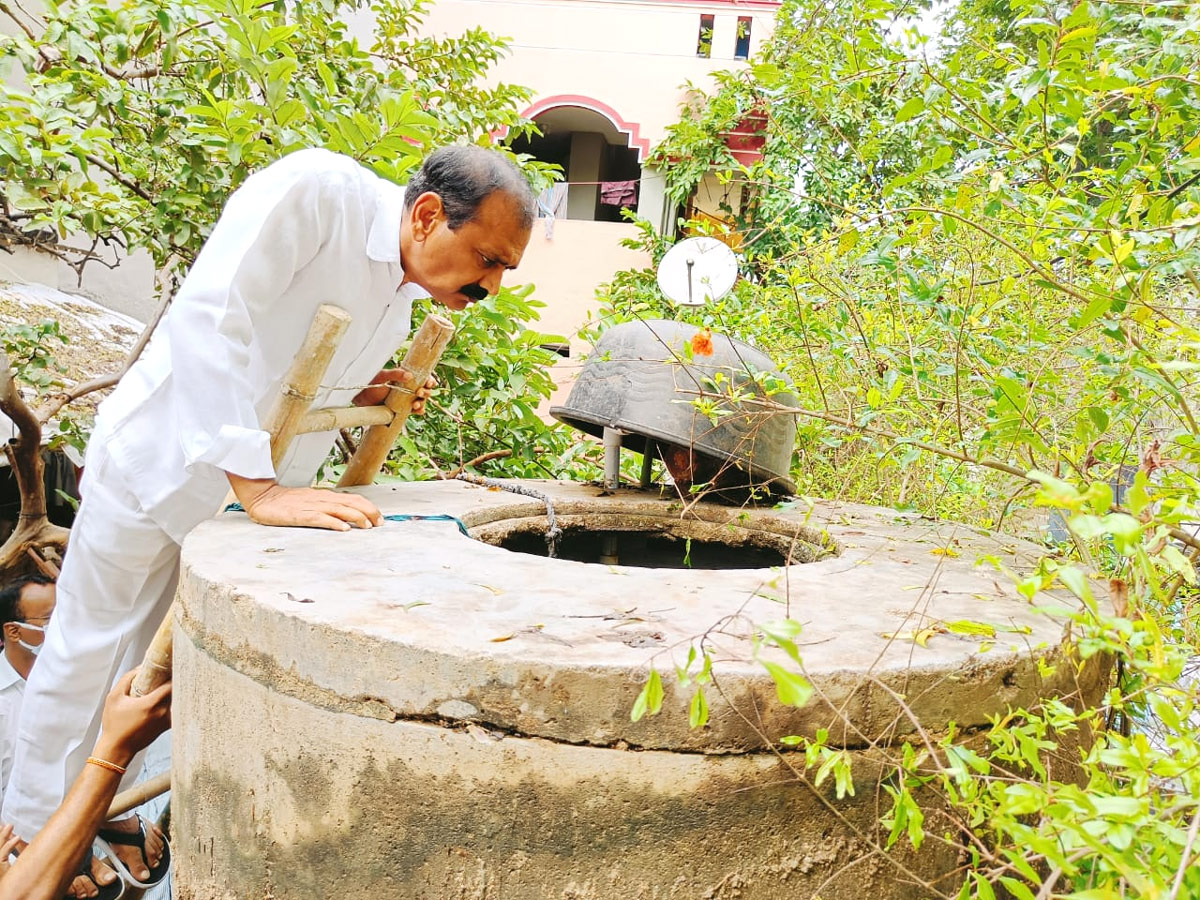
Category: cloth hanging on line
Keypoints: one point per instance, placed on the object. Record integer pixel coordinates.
(552, 204)
(618, 193)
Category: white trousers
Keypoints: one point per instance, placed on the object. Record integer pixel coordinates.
(117, 582)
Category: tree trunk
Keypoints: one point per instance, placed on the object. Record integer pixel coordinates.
(34, 531)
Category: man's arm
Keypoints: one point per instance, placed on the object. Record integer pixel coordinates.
(47, 866)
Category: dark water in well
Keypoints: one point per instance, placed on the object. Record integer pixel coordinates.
(646, 550)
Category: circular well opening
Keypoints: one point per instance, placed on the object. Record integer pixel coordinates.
(661, 543)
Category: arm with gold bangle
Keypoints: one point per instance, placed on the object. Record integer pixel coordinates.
(47, 865)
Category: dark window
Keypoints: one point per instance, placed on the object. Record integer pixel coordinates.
(741, 50)
(704, 42)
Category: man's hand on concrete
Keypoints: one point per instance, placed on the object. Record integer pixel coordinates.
(373, 396)
(268, 503)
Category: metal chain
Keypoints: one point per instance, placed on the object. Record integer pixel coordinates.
(553, 532)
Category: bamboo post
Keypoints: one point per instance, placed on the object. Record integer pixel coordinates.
(139, 794)
(156, 664)
(304, 378)
(296, 395)
(427, 346)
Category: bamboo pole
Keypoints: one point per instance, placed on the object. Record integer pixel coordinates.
(296, 394)
(344, 417)
(427, 346)
(156, 664)
(304, 378)
(139, 794)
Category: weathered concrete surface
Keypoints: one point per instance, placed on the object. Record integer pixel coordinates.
(282, 799)
(406, 712)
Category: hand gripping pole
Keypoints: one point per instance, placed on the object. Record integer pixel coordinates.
(427, 346)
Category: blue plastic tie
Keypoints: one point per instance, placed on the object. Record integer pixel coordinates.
(441, 517)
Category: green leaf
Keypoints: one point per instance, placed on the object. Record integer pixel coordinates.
(649, 701)
(912, 107)
(768, 74)
(1018, 889)
(1136, 498)
(1125, 529)
(983, 888)
(1178, 563)
(792, 688)
(1096, 309)
(698, 710)
(1077, 583)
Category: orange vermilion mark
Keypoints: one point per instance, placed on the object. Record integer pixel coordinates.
(702, 342)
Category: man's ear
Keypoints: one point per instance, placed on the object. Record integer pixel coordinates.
(10, 631)
(426, 212)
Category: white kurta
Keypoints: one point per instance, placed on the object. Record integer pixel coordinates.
(12, 690)
(313, 228)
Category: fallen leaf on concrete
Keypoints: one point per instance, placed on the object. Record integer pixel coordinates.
(919, 637)
(494, 590)
(272, 549)
(645, 639)
(296, 599)
(965, 626)
(945, 551)
(530, 630)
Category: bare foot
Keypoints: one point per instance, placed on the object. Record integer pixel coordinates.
(131, 856)
(102, 875)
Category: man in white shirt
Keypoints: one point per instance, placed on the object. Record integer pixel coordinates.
(182, 427)
(26, 605)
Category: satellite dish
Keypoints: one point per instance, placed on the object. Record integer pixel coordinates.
(697, 270)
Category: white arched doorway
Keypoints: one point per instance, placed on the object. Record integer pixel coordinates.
(600, 155)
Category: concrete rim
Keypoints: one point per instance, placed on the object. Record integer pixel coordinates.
(417, 622)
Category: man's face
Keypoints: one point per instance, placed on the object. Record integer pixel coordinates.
(463, 266)
(35, 607)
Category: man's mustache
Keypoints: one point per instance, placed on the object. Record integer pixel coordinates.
(473, 292)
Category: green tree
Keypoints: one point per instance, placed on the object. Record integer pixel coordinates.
(129, 124)
(984, 289)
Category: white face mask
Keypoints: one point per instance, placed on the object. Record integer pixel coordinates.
(32, 648)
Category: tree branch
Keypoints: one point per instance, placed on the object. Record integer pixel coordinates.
(482, 458)
(119, 176)
(25, 452)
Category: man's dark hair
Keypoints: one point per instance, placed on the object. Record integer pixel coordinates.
(10, 596)
(464, 176)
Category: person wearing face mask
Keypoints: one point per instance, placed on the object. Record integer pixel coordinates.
(26, 605)
(182, 427)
